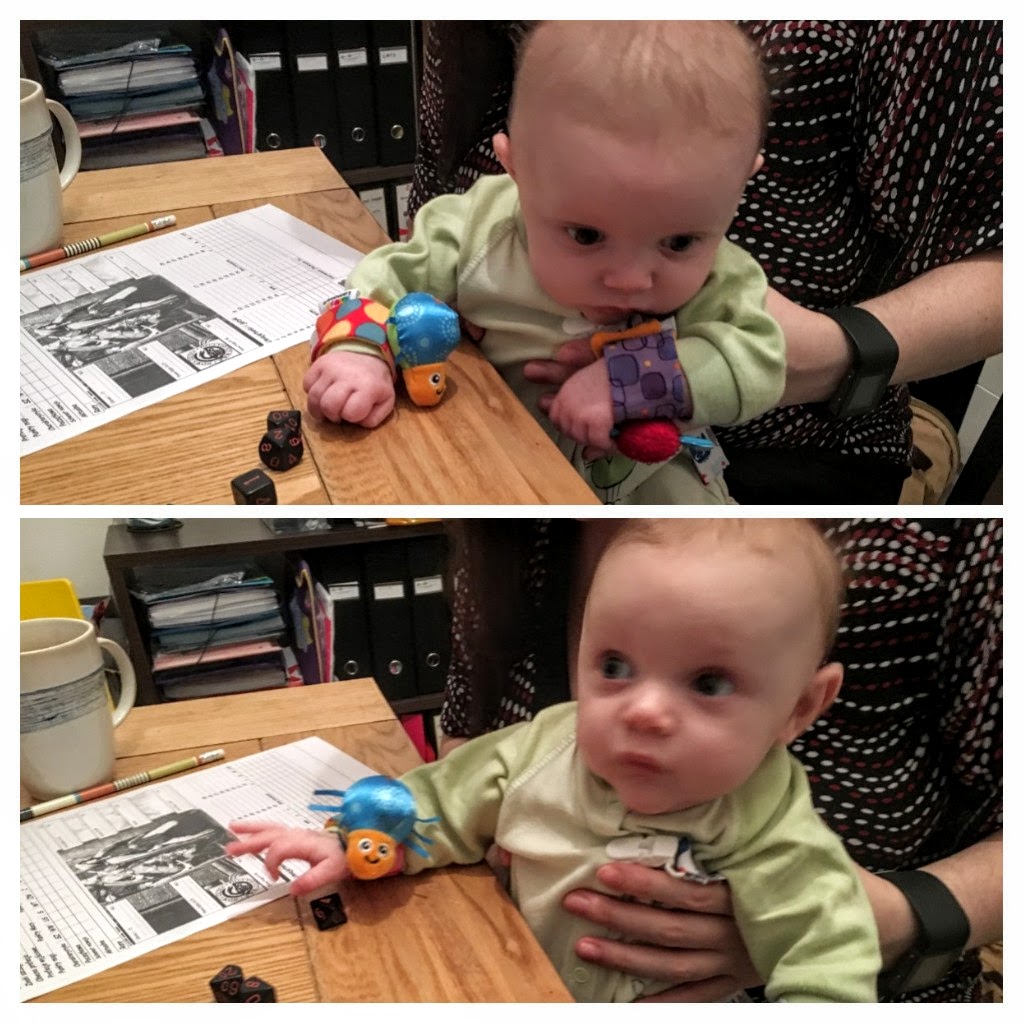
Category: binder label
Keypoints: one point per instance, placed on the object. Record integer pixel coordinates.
(388, 591)
(353, 58)
(373, 199)
(265, 61)
(344, 592)
(393, 55)
(311, 61)
(427, 585)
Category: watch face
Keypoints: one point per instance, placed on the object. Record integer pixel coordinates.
(865, 393)
(929, 970)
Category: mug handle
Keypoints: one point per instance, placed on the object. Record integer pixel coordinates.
(72, 143)
(124, 666)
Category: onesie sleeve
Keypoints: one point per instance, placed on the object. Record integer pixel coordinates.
(731, 351)
(428, 262)
(798, 902)
(464, 791)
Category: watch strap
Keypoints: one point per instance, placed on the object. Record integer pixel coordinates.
(944, 928)
(875, 353)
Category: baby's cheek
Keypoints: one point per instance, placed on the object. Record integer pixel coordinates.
(556, 277)
(588, 742)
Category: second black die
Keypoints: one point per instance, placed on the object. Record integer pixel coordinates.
(280, 449)
(286, 419)
(254, 488)
(256, 990)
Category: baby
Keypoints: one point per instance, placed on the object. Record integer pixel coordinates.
(702, 655)
(628, 150)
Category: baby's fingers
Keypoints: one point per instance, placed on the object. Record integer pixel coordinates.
(327, 871)
(241, 827)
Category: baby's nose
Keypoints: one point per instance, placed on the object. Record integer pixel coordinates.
(628, 277)
(651, 710)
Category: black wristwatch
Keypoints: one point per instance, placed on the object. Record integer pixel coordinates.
(875, 354)
(941, 940)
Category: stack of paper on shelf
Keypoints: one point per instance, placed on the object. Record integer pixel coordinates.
(220, 631)
(129, 82)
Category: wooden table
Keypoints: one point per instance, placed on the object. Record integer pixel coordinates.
(480, 446)
(450, 935)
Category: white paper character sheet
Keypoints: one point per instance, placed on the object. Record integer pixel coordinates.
(120, 329)
(108, 881)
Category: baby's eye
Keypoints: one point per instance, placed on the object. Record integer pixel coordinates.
(585, 236)
(711, 684)
(614, 666)
(678, 243)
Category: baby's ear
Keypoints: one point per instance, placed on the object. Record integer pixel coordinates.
(503, 151)
(814, 701)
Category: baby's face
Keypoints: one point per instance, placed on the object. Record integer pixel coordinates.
(615, 227)
(691, 667)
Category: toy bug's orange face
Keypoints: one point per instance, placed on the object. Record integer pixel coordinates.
(370, 854)
(426, 383)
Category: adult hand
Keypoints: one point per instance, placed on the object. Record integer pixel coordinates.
(690, 938)
(573, 355)
(349, 387)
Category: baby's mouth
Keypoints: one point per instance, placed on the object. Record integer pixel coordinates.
(606, 314)
(640, 762)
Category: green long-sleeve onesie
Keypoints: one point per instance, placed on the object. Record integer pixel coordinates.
(797, 899)
(470, 251)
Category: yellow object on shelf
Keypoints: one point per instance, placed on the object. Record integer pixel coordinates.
(44, 599)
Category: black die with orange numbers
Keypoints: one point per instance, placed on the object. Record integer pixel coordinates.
(281, 449)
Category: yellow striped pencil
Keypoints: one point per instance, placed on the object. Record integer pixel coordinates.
(66, 252)
(129, 782)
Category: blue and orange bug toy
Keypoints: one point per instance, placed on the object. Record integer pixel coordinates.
(375, 820)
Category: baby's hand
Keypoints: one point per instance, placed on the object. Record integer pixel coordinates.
(321, 849)
(582, 409)
(350, 387)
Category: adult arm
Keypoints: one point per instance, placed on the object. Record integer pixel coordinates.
(947, 318)
(974, 876)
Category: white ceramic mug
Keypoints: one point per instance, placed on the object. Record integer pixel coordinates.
(42, 210)
(67, 729)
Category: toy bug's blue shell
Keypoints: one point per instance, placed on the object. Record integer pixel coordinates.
(379, 803)
(376, 802)
(422, 330)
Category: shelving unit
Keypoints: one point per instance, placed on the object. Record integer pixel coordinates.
(200, 542)
(200, 36)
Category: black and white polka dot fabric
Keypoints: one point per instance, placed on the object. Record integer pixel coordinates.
(883, 159)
